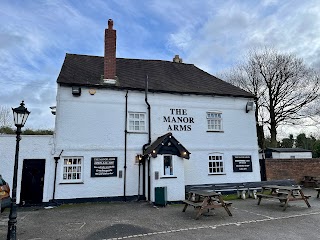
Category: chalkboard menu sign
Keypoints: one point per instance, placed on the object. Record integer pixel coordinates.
(242, 163)
(103, 167)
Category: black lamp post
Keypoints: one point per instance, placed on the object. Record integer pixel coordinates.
(20, 115)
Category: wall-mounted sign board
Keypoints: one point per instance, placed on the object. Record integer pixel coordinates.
(103, 167)
(242, 163)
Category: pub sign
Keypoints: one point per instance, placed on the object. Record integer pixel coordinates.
(103, 167)
(242, 163)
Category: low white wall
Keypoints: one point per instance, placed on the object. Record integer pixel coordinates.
(31, 147)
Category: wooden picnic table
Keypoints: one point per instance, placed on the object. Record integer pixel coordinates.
(205, 200)
(285, 194)
(318, 190)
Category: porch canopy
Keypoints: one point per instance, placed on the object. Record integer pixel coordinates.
(167, 144)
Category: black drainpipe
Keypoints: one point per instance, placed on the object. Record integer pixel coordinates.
(55, 175)
(147, 144)
(125, 149)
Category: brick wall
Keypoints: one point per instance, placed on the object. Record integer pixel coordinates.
(277, 169)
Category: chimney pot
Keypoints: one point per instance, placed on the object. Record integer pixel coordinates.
(110, 24)
(177, 59)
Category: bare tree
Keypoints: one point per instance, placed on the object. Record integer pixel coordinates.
(5, 116)
(283, 84)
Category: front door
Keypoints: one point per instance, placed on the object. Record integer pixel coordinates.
(32, 181)
(263, 169)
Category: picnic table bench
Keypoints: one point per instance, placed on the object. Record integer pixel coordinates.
(205, 200)
(283, 193)
(317, 189)
(242, 189)
(310, 181)
(222, 188)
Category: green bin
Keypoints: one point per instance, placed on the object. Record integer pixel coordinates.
(160, 196)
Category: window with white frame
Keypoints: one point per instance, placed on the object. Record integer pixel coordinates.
(214, 120)
(168, 165)
(137, 122)
(72, 169)
(216, 163)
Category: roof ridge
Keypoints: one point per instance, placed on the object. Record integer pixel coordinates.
(138, 59)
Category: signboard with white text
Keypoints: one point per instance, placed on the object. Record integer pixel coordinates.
(103, 167)
(242, 163)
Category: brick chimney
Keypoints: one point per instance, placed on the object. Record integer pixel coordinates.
(110, 53)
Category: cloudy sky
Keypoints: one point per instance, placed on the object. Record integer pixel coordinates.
(212, 34)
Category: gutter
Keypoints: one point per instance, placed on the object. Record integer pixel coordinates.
(147, 144)
(125, 149)
(55, 175)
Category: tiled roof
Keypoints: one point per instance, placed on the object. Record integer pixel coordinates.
(164, 76)
(167, 141)
(288, 150)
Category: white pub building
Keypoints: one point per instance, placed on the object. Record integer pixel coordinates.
(125, 127)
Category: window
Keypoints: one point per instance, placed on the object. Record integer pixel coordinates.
(72, 169)
(167, 165)
(214, 121)
(137, 122)
(216, 164)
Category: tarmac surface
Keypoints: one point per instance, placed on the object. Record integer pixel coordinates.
(142, 220)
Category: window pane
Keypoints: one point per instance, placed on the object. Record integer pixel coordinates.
(72, 168)
(214, 121)
(168, 166)
(215, 164)
(137, 122)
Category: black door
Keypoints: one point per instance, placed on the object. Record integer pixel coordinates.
(263, 169)
(32, 181)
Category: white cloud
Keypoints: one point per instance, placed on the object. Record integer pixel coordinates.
(210, 34)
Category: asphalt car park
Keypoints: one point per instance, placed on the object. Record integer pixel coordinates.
(142, 220)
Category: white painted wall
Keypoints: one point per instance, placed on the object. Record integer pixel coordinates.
(290, 154)
(175, 184)
(286, 155)
(94, 126)
(31, 147)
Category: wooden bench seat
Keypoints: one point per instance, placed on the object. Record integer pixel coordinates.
(194, 204)
(281, 197)
(294, 195)
(228, 203)
(199, 204)
(317, 189)
(310, 181)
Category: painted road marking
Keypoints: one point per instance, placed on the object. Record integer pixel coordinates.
(217, 225)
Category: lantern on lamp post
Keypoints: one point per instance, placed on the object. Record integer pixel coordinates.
(20, 115)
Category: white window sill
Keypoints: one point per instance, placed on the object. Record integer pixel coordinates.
(70, 182)
(171, 176)
(137, 132)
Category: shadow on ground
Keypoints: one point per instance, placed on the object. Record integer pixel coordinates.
(117, 231)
